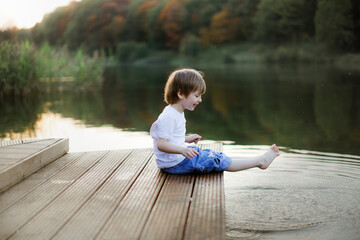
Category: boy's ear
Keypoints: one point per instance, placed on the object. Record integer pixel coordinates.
(180, 95)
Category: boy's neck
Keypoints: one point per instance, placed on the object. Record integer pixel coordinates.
(178, 107)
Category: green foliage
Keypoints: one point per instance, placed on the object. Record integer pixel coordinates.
(245, 11)
(157, 36)
(87, 71)
(75, 32)
(166, 24)
(18, 72)
(198, 14)
(53, 34)
(51, 61)
(228, 59)
(335, 25)
(137, 20)
(58, 64)
(190, 45)
(284, 20)
(297, 53)
(131, 51)
(22, 66)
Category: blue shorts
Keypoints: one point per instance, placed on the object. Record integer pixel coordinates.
(206, 161)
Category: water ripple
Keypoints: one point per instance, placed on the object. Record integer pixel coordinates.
(310, 193)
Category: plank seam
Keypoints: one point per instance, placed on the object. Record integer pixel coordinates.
(34, 189)
(129, 188)
(31, 155)
(50, 202)
(5, 143)
(188, 210)
(90, 196)
(152, 207)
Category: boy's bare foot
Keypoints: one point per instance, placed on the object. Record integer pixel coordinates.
(268, 157)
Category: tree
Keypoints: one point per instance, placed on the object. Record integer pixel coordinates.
(222, 29)
(9, 34)
(245, 11)
(138, 19)
(157, 37)
(197, 14)
(284, 20)
(356, 15)
(53, 26)
(335, 24)
(169, 18)
(75, 33)
(105, 26)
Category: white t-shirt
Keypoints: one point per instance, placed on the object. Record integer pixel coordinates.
(170, 125)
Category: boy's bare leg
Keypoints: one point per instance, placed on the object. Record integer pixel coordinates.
(262, 161)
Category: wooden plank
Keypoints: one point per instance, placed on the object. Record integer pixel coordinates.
(44, 153)
(22, 212)
(5, 165)
(207, 214)
(189, 206)
(52, 217)
(206, 218)
(168, 217)
(108, 196)
(15, 156)
(132, 212)
(34, 181)
(27, 149)
(33, 145)
(93, 215)
(34, 140)
(15, 149)
(4, 143)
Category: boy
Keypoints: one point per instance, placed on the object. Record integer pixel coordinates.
(183, 90)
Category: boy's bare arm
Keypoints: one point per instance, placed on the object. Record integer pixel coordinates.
(194, 138)
(164, 146)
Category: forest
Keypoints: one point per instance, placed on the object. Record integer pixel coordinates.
(190, 25)
(76, 41)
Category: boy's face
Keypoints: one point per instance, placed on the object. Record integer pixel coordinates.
(190, 102)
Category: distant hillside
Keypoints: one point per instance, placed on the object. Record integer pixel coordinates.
(172, 24)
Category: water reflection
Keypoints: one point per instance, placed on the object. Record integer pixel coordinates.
(83, 137)
(314, 108)
(17, 116)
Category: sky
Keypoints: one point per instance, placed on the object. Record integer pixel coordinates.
(26, 13)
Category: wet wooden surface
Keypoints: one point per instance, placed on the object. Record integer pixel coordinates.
(113, 195)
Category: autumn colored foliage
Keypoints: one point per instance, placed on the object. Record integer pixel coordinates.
(171, 24)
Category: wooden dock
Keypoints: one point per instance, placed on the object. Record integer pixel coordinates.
(109, 195)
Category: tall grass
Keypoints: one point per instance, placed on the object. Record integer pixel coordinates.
(57, 65)
(298, 53)
(18, 76)
(23, 66)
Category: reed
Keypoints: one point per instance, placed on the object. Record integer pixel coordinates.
(61, 65)
(23, 66)
(18, 73)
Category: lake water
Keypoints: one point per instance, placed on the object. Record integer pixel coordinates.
(311, 191)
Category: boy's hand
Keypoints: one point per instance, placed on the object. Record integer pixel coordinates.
(189, 153)
(164, 146)
(194, 138)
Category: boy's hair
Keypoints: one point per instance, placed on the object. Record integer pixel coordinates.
(184, 81)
